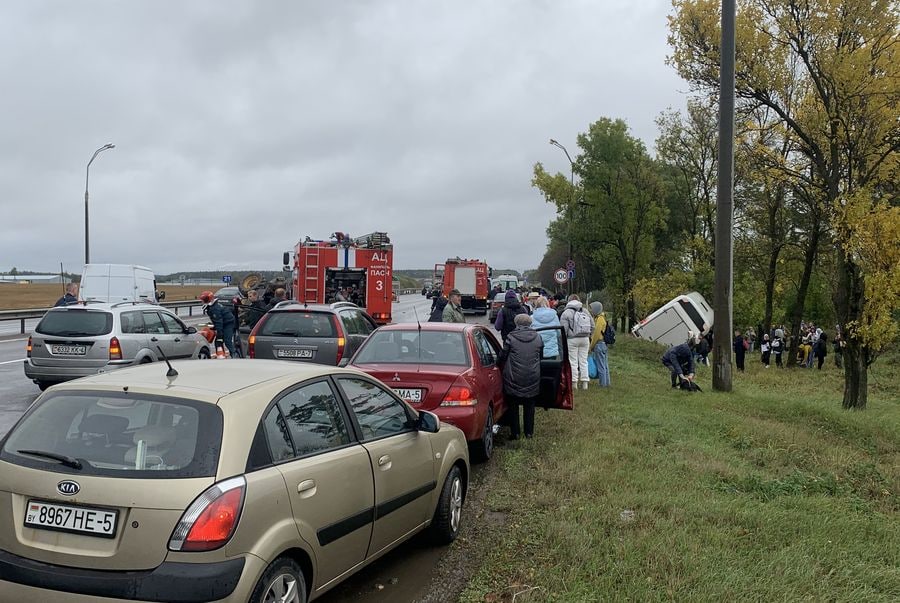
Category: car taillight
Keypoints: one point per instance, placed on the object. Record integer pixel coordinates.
(459, 395)
(28, 348)
(251, 346)
(115, 350)
(211, 519)
(341, 341)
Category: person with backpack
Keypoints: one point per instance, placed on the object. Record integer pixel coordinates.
(603, 336)
(579, 327)
(505, 321)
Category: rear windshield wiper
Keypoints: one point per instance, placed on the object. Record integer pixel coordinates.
(68, 461)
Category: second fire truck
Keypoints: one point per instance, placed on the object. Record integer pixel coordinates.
(470, 278)
(360, 269)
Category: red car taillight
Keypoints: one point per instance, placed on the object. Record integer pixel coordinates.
(211, 519)
(341, 341)
(115, 350)
(459, 395)
(28, 348)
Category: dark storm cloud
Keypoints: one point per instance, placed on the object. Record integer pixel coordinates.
(242, 126)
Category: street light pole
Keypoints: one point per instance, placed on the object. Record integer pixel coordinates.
(87, 175)
(571, 200)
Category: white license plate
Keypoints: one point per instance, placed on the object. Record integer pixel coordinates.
(69, 350)
(68, 518)
(410, 395)
(294, 353)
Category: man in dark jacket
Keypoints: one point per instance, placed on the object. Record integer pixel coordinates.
(255, 309)
(437, 309)
(71, 296)
(679, 360)
(521, 361)
(222, 319)
(505, 322)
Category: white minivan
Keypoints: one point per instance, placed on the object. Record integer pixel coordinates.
(111, 283)
(670, 324)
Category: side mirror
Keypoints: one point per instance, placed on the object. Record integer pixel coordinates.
(428, 422)
(191, 330)
(286, 259)
(160, 295)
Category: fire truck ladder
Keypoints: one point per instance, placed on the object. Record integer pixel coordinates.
(311, 274)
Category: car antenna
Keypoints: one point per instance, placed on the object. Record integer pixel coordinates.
(171, 373)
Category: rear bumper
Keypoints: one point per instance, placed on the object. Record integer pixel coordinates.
(171, 582)
(468, 419)
(67, 373)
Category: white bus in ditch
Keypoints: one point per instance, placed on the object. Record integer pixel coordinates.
(670, 324)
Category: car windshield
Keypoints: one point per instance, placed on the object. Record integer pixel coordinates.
(293, 323)
(118, 434)
(75, 323)
(414, 347)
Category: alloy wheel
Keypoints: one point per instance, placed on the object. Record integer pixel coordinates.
(283, 589)
(456, 502)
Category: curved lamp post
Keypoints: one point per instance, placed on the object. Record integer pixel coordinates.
(87, 174)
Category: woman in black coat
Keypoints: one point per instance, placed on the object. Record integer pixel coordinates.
(521, 361)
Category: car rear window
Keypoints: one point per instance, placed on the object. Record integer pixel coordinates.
(412, 347)
(295, 323)
(75, 323)
(118, 434)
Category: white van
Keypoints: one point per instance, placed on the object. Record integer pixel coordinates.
(670, 324)
(113, 283)
(506, 281)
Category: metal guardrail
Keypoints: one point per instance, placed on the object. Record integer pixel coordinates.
(32, 313)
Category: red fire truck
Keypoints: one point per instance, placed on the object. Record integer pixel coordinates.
(360, 267)
(470, 278)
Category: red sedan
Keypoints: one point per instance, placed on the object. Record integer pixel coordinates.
(452, 369)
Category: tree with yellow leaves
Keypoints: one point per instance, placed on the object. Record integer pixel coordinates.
(846, 118)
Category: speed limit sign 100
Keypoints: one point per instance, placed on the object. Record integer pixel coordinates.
(561, 276)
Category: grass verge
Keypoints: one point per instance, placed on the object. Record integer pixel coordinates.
(642, 493)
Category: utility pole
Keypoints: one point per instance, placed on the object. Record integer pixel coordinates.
(722, 329)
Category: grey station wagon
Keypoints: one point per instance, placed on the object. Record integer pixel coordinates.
(85, 339)
(324, 334)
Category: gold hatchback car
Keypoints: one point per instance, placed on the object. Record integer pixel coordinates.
(222, 481)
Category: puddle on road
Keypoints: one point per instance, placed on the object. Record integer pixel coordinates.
(402, 576)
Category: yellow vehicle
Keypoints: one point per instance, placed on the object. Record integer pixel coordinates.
(241, 481)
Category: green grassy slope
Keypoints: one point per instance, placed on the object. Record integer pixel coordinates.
(643, 493)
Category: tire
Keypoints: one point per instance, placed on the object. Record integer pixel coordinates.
(204, 354)
(484, 448)
(280, 578)
(448, 515)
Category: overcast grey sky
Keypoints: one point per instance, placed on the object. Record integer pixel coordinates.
(242, 126)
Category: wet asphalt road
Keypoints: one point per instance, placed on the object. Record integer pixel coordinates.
(402, 576)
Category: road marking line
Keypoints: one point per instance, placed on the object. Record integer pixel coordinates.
(9, 340)
(12, 361)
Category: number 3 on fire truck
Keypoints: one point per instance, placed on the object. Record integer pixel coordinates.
(379, 285)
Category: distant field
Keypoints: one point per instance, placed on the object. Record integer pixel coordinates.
(17, 297)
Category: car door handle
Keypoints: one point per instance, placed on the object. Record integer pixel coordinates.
(154, 339)
(384, 462)
(178, 339)
(306, 488)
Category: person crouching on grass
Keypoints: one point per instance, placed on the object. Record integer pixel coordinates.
(679, 360)
(521, 362)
